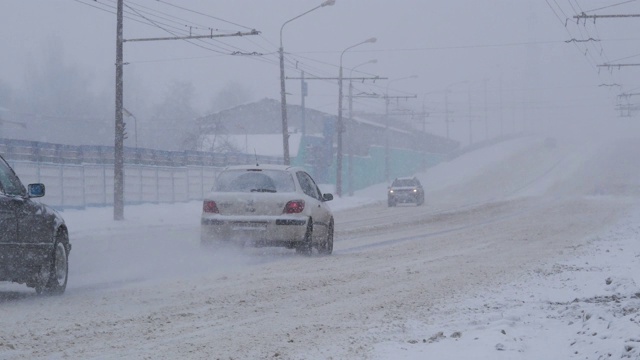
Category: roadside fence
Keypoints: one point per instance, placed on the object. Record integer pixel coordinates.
(81, 176)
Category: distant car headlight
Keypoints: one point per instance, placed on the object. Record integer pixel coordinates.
(415, 190)
(390, 191)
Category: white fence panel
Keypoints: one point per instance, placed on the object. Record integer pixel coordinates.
(81, 185)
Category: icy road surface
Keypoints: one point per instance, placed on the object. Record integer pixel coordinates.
(143, 288)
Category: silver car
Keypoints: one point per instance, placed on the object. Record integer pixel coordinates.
(268, 205)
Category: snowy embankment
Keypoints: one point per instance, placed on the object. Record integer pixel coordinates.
(583, 303)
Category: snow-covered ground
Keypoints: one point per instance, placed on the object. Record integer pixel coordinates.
(583, 305)
(521, 252)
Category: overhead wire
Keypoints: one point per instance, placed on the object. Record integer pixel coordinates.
(150, 19)
(564, 22)
(602, 52)
(203, 14)
(170, 32)
(610, 6)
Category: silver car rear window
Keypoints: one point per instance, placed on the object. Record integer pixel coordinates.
(254, 181)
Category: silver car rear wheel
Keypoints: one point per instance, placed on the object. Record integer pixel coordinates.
(305, 247)
(326, 248)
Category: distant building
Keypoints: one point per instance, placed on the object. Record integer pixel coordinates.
(256, 128)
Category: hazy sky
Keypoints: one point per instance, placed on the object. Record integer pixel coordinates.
(517, 46)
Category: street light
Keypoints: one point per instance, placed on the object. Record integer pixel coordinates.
(283, 96)
(350, 141)
(339, 128)
(386, 129)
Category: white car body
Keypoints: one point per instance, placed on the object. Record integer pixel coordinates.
(267, 205)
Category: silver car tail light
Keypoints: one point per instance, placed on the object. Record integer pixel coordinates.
(294, 207)
(210, 206)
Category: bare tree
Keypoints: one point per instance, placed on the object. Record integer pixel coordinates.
(173, 124)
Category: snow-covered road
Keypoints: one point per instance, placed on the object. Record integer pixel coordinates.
(495, 220)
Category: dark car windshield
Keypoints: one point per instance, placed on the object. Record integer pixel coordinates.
(9, 182)
(404, 183)
(254, 181)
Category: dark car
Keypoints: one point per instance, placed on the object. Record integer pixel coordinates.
(405, 190)
(34, 240)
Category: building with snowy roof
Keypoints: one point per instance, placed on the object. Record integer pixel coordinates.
(256, 128)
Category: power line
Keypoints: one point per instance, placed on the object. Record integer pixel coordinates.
(169, 16)
(161, 25)
(206, 15)
(610, 6)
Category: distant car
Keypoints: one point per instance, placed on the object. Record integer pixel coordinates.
(405, 190)
(34, 240)
(268, 205)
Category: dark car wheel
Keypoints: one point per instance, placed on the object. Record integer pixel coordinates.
(306, 245)
(326, 248)
(391, 203)
(58, 269)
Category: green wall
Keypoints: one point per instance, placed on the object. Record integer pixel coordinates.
(370, 170)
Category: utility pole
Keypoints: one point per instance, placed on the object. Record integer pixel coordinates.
(424, 116)
(350, 141)
(501, 110)
(486, 117)
(303, 114)
(118, 162)
(446, 111)
(303, 94)
(470, 118)
(339, 127)
(387, 164)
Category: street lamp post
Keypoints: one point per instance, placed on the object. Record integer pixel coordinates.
(386, 129)
(283, 96)
(340, 126)
(350, 133)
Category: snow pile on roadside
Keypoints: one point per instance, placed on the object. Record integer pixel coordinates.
(470, 164)
(440, 176)
(586, 306)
